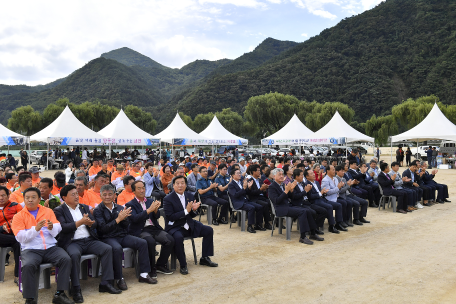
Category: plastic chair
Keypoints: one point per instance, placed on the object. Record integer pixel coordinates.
(288, 219)
(3, 252)
(209, 209)
(42, 277)
(390, 199)
(130, 259)
(241, 215)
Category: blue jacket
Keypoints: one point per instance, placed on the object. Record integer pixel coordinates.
(331, 185)
(204, 184)
(222, 181)
(151, 183)
(139, 216)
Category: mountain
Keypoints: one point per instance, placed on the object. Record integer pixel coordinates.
(130, 57)
(400, 49)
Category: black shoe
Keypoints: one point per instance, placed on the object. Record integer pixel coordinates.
(259, 227)
(77, 296)
(250, 229)
(184, 270)
(61, 299)
(233, 218)
(440, 201)
(277, 225)
(153, 273)
(207, 261)
(109, 289)
(122, 285)
(305, 241)
(363, 220)
(222, 221)
(215, 223)
(31, 301)
(348, 224)
(343, 224)
(357, 222)
(447, 201)
(374, 205)
(333, 229)
(340, 228)
(319, 232)
(268, 226)
(147, 280)
(316, 237)
(163, 269)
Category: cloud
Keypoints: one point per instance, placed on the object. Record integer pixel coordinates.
(324, 14)
(243, 3)
(304, 35)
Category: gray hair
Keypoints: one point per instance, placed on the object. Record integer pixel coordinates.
(423, 163)
(105, 188)
(276, 170)
(317, 165)
(82, 178)
(79, 171)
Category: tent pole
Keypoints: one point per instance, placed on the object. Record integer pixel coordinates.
(47, 155)
(391, 140)
(261, 150)
(346, 148)
(30, 152)
(416, 149)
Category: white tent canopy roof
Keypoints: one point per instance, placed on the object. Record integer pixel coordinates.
(7, 136)
(179, 130)
(68, 130)
(122, 129)
(219, 135)
(290, 134)
(434, 126)
(338, 128)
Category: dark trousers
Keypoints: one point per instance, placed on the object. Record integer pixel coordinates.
(128, 241)
(305, 219)
(31, 260)
(329, 210)
(401, 202)
(264, 202)
(319, 213)
(428, 192)
(214, 202)
(360, 192)
(152, 235)
(9, 240)
(373, 193)
(207, 233)
(158, 194)
(24, 164)
(90, 246)
(347, 207)
(357, 202)
(442, 190)
(254, 213)
(418, 192)
(410, 196)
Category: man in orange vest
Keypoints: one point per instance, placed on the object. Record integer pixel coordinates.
(35, 176)
(36, 227)
(25, 182)
(136, 170)
(59, 182)
(93, 194)
(93, 171)
(128, 194)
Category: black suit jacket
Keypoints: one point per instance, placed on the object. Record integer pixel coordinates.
(387, 184)
(237, 195)
(63, 215)
(358, 176)
(139, 216)
(299, 198)
(175, 214)
(107, 226)
(254, 193)
(279, 198)
(408, 174)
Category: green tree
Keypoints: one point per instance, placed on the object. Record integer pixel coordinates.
(316, 115)
(141, 118)
(187, 119)
(201, 121)
(381, 128)
(233, 122)
(25, 120)
(411, 112)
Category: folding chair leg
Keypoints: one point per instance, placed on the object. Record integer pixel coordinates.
(47, 278)
(209, 215)
(84, 270)
(289, 223)
(243, 215)
(394, 203)
(239, 217)
(173, 261)
(3, 252)
(194, 252)
(280, 225)
(273, 225)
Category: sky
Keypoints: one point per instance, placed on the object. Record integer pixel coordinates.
(41, 41)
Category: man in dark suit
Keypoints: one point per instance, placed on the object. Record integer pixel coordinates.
(257, 193)
(278, 194)
(442, 189)
(387, 182)
(316, 196)
(372, 189)
(299, 199)
(237, 192)
(144, 224)
(112, 225)
(411, 174)
(78, 237)
(180, 207)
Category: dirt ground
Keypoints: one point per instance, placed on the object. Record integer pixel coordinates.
(396, 258)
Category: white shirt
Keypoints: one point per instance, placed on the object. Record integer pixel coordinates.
(68, 173)
(182, 199)
(84, 154)
(81, 232)
(242, 168)
(316, 188)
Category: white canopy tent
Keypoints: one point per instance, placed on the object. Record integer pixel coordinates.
(218, 135)
(294, 133)
(337, 128)
(178, 133)
(123, 131)
(434, 126)
(10, 138)
(67, 130)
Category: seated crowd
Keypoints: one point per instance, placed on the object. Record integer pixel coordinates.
(101, 209)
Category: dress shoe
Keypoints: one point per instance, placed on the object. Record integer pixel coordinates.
(440, 201)
(215, 223)
(147, 280)
(259, 227)
(31, 301)
(233, 218)
(153, 273)
(447, 201)
(357, 222)
(339, 227)
(373, 205)
(409, 209)
(121, 284)
(333, 229)
(109, 289)
(268, 226)
(348, 224)
(207, 261)
(306, 241)
(402, 211)
(222, 221)
(343, 224)
(363, 220)
(184, 270)
(277, 225)
(316, 237)
(319, 232)
(250, 229)
(77, 296)
(163, 269)
(61, 299)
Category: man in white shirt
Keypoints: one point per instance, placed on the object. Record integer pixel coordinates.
(84, 154)
(79, 237)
